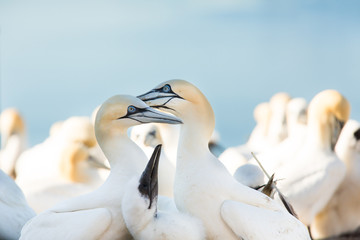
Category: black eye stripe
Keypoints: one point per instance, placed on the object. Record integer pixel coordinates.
(137, 110)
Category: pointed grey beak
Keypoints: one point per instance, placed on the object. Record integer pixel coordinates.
(357, 134)
(150, 115)
(148, 184)
(93, 162)
(337, 130)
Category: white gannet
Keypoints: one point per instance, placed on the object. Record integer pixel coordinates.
(277, 131)
(61, 167)
(97, 215)
(342, 213)
(14, 210)
(13, 140)
(233, 157)
(296, 118)
(203, 186)
(313, 172)
(144, 221)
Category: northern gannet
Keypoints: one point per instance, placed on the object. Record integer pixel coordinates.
(313, 172)
(144, 221)
(277, 131)
(342, 213)
(61, 167)
(14, 210)
(13, 140)
(203, 186)
(296, 118)
(97, 215)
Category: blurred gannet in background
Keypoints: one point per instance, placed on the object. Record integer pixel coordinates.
(144, 221)
(249, 175)
(203, 186)
(233, 157)
(97, 215)
(13, 140)
(277, 130)
(61, 167)
(14, 210)
(313, 172)
(283, 153)
(342, 213)
(270, 130)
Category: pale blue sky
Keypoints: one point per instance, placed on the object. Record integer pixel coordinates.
(63, 58)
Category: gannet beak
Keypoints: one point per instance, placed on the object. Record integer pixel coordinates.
(96, 164)
(337, 129)
(148, 186)
(357, 135)
(159, 97)
(150, 115)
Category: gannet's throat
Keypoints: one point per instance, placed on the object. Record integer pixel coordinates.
(148, 184)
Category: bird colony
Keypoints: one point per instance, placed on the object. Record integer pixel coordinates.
(149, 167)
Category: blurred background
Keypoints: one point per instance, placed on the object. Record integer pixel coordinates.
(64, 58)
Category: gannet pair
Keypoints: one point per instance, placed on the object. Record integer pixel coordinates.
(61, 167)
(342, 213)
(203, 186)
(13, 140)
(142, 218)
(98, 215)
(14, 210)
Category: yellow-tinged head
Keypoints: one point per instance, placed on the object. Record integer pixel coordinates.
(11, 122)
(184, 100)
(328, 111)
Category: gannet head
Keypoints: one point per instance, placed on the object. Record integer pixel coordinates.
(262, 112)
(296, 111)
(139, 203)
(11, 123)
(184, 100)
(78, 129)
(146, 135)
(328, 111)
(78, 137)
(121, 112)
(148, 183)
(348, 145)
(277, 125)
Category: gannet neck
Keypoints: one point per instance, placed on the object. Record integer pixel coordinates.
(348, 146)
(135, 209)
(327, 113)
(121, 151)
(170, 140)
(277, 123)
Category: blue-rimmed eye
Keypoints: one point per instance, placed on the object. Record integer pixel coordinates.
(131, 109)
(166, 88)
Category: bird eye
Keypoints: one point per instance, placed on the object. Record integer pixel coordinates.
(166, 88)
(131, 109)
